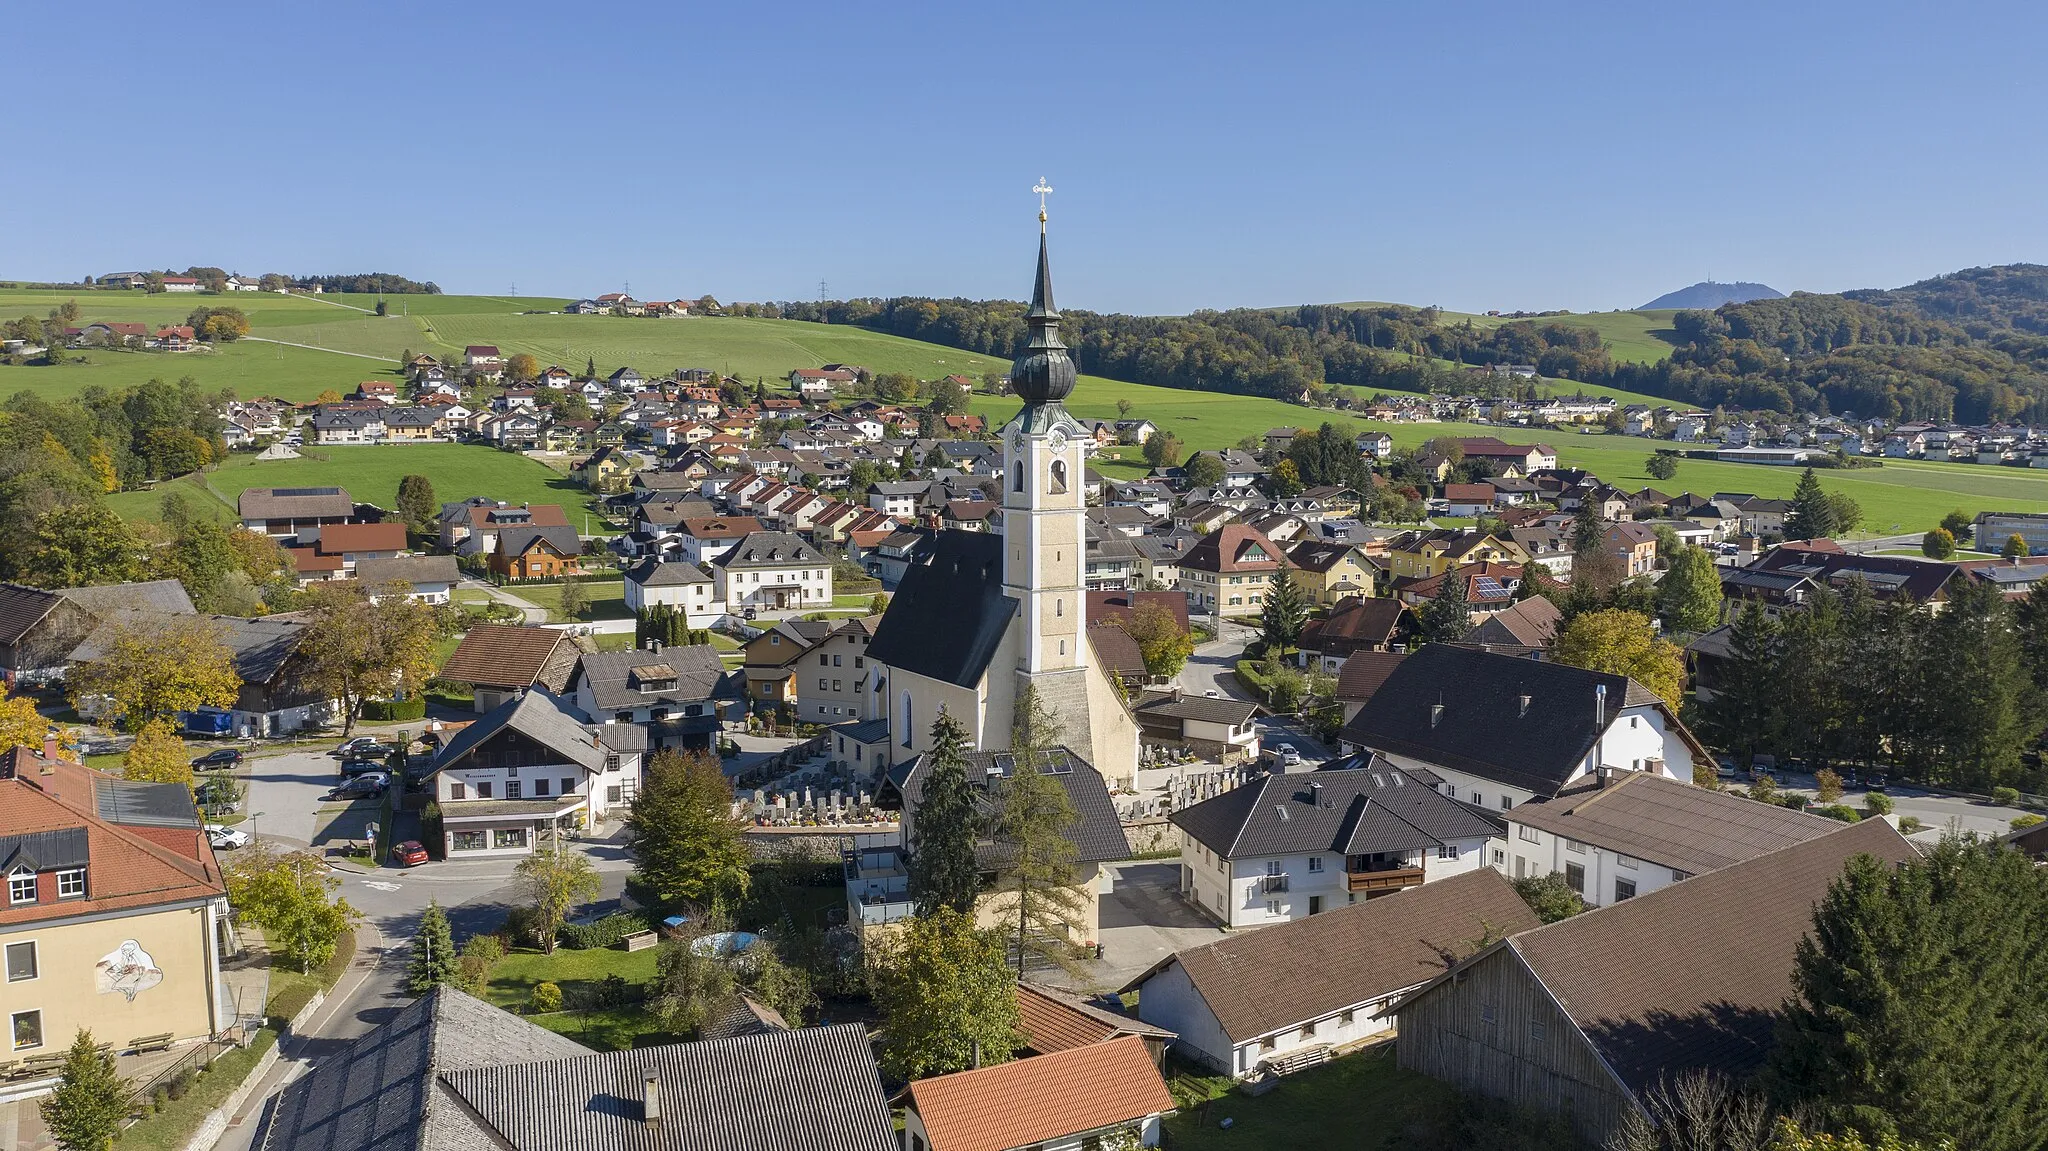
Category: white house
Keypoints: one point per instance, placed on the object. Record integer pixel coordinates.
(528, 767)
(1291, 846)
(431, 578)
(679, 585)
(1292, 992)
(1501, 730)
(773, 571)
(1632, 833)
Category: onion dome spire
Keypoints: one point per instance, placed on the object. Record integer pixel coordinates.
(1045, 373)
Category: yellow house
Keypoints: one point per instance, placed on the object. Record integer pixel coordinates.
(1426, 553)
(1329, 572)
(113, 916)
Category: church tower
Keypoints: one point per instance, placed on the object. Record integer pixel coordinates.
(1044, 530)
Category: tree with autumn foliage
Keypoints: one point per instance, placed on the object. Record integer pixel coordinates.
(367, 643)
(143, 672)
(157, 755)
(1621, 642)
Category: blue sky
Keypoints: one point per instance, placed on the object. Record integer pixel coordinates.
(1476, 156)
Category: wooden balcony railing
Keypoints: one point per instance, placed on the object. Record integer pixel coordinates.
(1392, 879)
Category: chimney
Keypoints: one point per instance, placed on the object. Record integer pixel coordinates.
(1605, 773)
(50, 747)
(1525, 706)
(1436, 713)
(650, 1114)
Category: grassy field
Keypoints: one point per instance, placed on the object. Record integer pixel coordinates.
(1361, 1102)
(371, 475)
(607, 600)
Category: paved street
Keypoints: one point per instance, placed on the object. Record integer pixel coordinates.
(284, 799)
(1144, 920)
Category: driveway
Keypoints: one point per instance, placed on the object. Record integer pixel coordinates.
(1143, 920)
(1213, 666)
(284, 800)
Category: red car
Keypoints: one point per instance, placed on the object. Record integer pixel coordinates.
(410, 853)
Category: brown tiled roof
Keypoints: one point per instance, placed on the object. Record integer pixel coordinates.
(1356, 622)
(1363, 673)
(1281, 976)
(1693, 975)
(1531, 623)
(1033, 1100)
(1222, 549)
(1670, 823)
(502, 655)
(337, 538)
(295, 503)
(1104, 606)
(1055, 1020)
(719, 527)
(1116, 650)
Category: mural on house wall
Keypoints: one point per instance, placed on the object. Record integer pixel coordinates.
(127, 969)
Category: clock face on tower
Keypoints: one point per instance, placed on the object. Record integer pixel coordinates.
(1058, 441)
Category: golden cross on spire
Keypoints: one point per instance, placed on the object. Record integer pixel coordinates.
(1043, 189)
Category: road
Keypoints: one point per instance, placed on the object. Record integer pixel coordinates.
(535, 614)
(1213, 669)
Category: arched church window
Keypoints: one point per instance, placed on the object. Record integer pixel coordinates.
(1016, 477)
(1059, 608)
(909, 729)
(1056, 481)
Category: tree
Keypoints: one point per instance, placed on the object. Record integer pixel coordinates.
(1827, 786)
(21, 725)
(1123, 408)
(1285, 611)
(358, 646)
(1447, 617)
(1977, 706)
(1813, 515)
(157, 755)
(1903, 998)
(1661, 466)
(85, 1112)
(575, 598)
(1957, 524)
(553, 882)
(418, 507)
(1205, 469)
(1285, 481)
(156, 670)
(1165, 644)
(1689, 596)
(878, 603)
(949, 999)
(1549, 896)
(1162, 450)
(522, 367)
(943, 868)
(1589, 531)
(1622, 643)
(688, 844)
(433, 952)
(2015, 547)
(1036, 883)
(80, 546)
(290, 895)
(1938, 544)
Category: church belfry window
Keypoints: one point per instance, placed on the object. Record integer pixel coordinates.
(909, 730)
(1056, 480)
(1017, 477)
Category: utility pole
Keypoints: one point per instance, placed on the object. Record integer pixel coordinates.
(821, 291)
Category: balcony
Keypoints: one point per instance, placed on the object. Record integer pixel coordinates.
(1272, 884)
(1384, 879)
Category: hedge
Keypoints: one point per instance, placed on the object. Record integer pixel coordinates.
(605, 932)
(382, 710)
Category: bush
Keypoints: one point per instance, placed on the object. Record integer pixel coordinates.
(2006, 796)
(1841, 811)
(1908, 824)
(381, 710)
(1878, 803)
(605, 932)
(487, 948)
(520, 927)
(546, 998)
(2023, 822)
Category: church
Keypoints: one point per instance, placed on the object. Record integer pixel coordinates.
(992, 614)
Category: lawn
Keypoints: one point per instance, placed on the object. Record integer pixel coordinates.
(607, 600)
(1361, 1102)
(174, 1126)
(372, 473)
(513, 979)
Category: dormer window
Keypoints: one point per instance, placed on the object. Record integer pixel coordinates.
(71, 883)
(21, 886)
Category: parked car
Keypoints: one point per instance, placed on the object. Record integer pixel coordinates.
(1289, 754)
(218, 758)
(359, 766)
(411, 853)
(358, 747)
(226, 838)
(362, 786)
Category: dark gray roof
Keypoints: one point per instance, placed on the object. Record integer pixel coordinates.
(1482, 727)
(864, 731)
(615, 678)
(769, 549)
(164, 595)
(811, 1089)
(295, 503)
(540, 717)
(408, 569)
(21, 609)
(517, 538)
(45, 850)
(379, 1092)
(1097, 834)
(1354, 812)
(948, 615)
(261, 646)
(655, 573)
(1200, 708)
(136, 803)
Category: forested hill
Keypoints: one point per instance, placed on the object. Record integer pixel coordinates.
(1708, 294)
(1972, 347)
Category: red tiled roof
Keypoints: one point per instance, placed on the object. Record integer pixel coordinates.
(1222, 550)
(720, 527)
(338, 538)
(1118, 606)
(1041, 1098)
(501, 655)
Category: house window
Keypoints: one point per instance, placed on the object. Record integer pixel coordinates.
(514, 789)
(1507, 803)
(1273, 867)
(835, 661)
(1346, 1018)
(540, 787)
(611, 794)
(1537, 1031)
(1626, 861)
(568, 787)
(1500, 858)
(1624, 889)
(821, 683)
(21, 961)
(836, 683)
(908, 729)
(1308, 1031)
(1529, 833)
(483, 789)
(1451, 790)
(1678, 876)
(21, 887)
(1575, 877)
(28, 1030)
(71, 883)
(1478, 799)
(1315, 863)
(508, 837)
(1575, 847)
(466, 841)
(1447, 851)
(611, 763)
(1272, 907)
(457, 791)
(1486, 1013)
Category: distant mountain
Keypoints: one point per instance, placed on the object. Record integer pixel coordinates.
(1708, 294)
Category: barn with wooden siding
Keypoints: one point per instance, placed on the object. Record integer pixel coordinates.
(1581, 1017)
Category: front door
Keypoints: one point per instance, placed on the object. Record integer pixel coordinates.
(1315, 904)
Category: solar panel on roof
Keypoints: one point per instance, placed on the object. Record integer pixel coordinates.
(305, 491)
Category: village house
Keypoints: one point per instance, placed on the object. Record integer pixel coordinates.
(684, 586)
(503, 661)
(833, 676)
(116, 919)
(679, 697)
(1214, 728)
(537, 552)
(428, 579)
(1426, 553)
(1356, 624)
(1289, 846)
(278, 512)
(1499, 730)
(1290, 994)
(333, 551)
(1634, 544)
(1066, 1101)
(527, 767)
(772, 571)
(1226, 573)
(276, 696)
(772, 660)
(39, 627)
(1330, 572)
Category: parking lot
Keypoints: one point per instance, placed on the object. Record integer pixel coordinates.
(284, 801)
